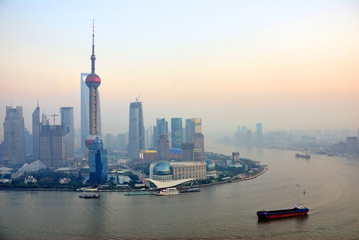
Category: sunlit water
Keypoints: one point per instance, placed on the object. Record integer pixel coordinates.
(225, 211)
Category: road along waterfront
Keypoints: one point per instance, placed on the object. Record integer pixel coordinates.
(221, 211)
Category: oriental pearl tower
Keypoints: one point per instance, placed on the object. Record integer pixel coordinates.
(97, 159)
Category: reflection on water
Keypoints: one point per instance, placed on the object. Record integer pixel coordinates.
(223, 211)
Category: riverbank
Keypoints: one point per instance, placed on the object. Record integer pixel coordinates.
(237, 178)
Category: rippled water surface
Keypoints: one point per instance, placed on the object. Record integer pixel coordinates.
(223, 211)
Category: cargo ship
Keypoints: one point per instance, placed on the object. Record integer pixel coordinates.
(299, 210)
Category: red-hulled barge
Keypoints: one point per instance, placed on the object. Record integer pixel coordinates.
(299, 210)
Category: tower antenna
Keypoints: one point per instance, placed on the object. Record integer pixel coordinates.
(138, 98)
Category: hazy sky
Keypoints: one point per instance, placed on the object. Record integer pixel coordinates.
(287, 64)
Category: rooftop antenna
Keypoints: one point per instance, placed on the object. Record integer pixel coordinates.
(138, 98)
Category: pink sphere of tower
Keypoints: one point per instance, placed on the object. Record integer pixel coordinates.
(93, 80)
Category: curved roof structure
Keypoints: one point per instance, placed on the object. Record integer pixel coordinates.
(167, 184)
(32, 167)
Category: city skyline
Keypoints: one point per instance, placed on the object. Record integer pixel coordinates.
(287, 65)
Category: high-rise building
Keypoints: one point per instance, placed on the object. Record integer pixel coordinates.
(259, 133)
(136, 133)
(149, 138)
(84, 112)
(189, 131)
(36, 134)
(187, 152)
(97, 157)
(163, 148)
(52, 145)
(176, 132)
(198, 147)
(28, 142)
(67, 122)
(160, 128)
(122, 141)
(197, 125)
(14, 142)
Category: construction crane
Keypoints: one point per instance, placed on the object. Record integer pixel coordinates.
(138, 98)
(54, 116)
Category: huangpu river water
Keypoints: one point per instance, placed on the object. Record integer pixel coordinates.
(225, 211)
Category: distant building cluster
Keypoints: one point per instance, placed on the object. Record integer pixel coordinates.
(51, 144)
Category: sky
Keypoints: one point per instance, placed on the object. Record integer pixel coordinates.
(286, 64)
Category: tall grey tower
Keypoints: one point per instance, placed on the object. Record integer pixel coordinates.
(136, 130)
(67, 122)
(97, 158)
(36, 133)
(84, 112)
(14, 142)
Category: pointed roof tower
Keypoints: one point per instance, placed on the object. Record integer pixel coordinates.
(93, 80)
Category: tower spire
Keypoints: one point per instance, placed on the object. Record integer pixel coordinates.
(93, 57)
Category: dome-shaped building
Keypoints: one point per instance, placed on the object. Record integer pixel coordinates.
(162, 168)
(162, 171)
(211, 166)
(211, 169)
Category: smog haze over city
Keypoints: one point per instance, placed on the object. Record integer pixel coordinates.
(287, 64)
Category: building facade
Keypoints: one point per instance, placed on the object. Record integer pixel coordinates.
(160, 128)
(84, 112)
(67, 122)
(36, 134)
(14, 141)
(52, 146)
(187, 152)
(163, 148)
(136, 141)
(176, 132)
(169, 171)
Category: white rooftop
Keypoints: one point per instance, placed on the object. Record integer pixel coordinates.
(32, 167)
(5, 170)
(167, 184)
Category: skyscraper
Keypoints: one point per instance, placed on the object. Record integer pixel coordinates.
(163, 147)
(188, 130)
(97, 158)
(136, 131)
(14, 142)
(160, 128)
(52, 145)
(259, 133)
(67, 122)
(84, 112)
(194, 135)
(176, 132)
(198, 147)
(36, 133)
(197, 125)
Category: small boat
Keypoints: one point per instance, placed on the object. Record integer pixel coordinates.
(299, 210)
(90, 195)
(168, 192)
(306, 156)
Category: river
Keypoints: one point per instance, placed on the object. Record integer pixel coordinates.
(226, 211)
